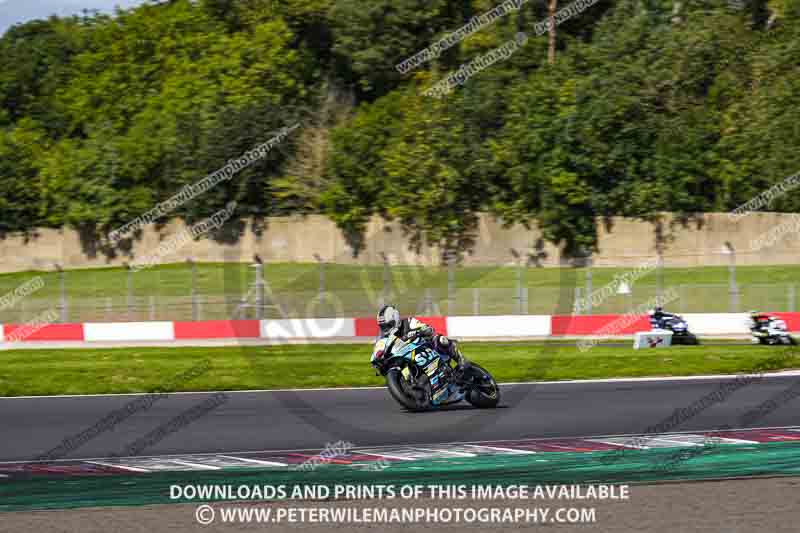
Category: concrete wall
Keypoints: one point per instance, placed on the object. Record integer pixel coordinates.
(625, 243)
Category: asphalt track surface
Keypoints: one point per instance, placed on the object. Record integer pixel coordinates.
(294, 420)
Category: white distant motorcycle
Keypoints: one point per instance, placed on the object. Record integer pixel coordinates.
(768, 329)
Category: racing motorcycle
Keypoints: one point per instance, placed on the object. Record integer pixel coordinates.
(678, 326)
(418, 379)
(772, 331)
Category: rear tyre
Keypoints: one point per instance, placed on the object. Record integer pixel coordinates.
(483, 391)
(406, 395)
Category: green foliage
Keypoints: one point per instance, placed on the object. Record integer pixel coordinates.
(651, 106)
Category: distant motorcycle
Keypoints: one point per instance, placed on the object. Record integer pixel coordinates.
(677, 325)
(418, 380)
(770, 330)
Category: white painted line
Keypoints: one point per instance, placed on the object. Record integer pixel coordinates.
(388, 456)
(620, 444)
(677, 441)
(451, 452)
(123, 467)
(728, 440)
(507, 450)
(198, 466)
(255, 461)
(787, 373)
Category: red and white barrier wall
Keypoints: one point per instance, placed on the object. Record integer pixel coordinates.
(459, 327)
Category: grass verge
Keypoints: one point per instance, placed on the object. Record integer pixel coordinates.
(124, 370)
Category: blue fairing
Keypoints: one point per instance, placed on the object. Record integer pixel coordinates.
(423, 356)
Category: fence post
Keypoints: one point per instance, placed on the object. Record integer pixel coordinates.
(259, 266)
(578, 309)
(64, 318)
(387, 278)
(193, 289)
(321, 263)
(428, 302)
(451, 283)
(129, 298)
(733, 287)
(152, 307)
(476, 301)
(660, 277)
(589, 283)
(524, 304)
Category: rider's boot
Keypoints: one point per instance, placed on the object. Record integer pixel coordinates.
(458, 371)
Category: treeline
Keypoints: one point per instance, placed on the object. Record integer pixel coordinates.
(644, 106)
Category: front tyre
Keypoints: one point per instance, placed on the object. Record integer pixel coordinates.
(483, 391)
(414, 399)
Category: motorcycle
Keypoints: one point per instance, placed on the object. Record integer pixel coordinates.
(679, 328)
(417, 379)
(773, 332)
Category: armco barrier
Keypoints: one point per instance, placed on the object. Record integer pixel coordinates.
(499, 326)
(50, 332)
(348, 328)
(717, 323)
(598, 325)
(128, 331)
(218, 329)
(308, 328)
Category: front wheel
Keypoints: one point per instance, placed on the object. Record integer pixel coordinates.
(483, 391)
(412, 398)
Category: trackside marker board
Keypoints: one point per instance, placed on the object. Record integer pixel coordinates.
(652, 339)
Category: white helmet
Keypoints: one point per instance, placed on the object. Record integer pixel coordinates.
(388, 319)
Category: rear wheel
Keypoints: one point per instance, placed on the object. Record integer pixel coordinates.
(482, 388)
(415, 398)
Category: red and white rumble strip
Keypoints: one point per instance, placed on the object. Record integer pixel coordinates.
(461, 327)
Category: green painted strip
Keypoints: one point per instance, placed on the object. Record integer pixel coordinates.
(551, 468)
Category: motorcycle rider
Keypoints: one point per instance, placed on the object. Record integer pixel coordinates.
(657, 317)
(759, 323)
(411, 328)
